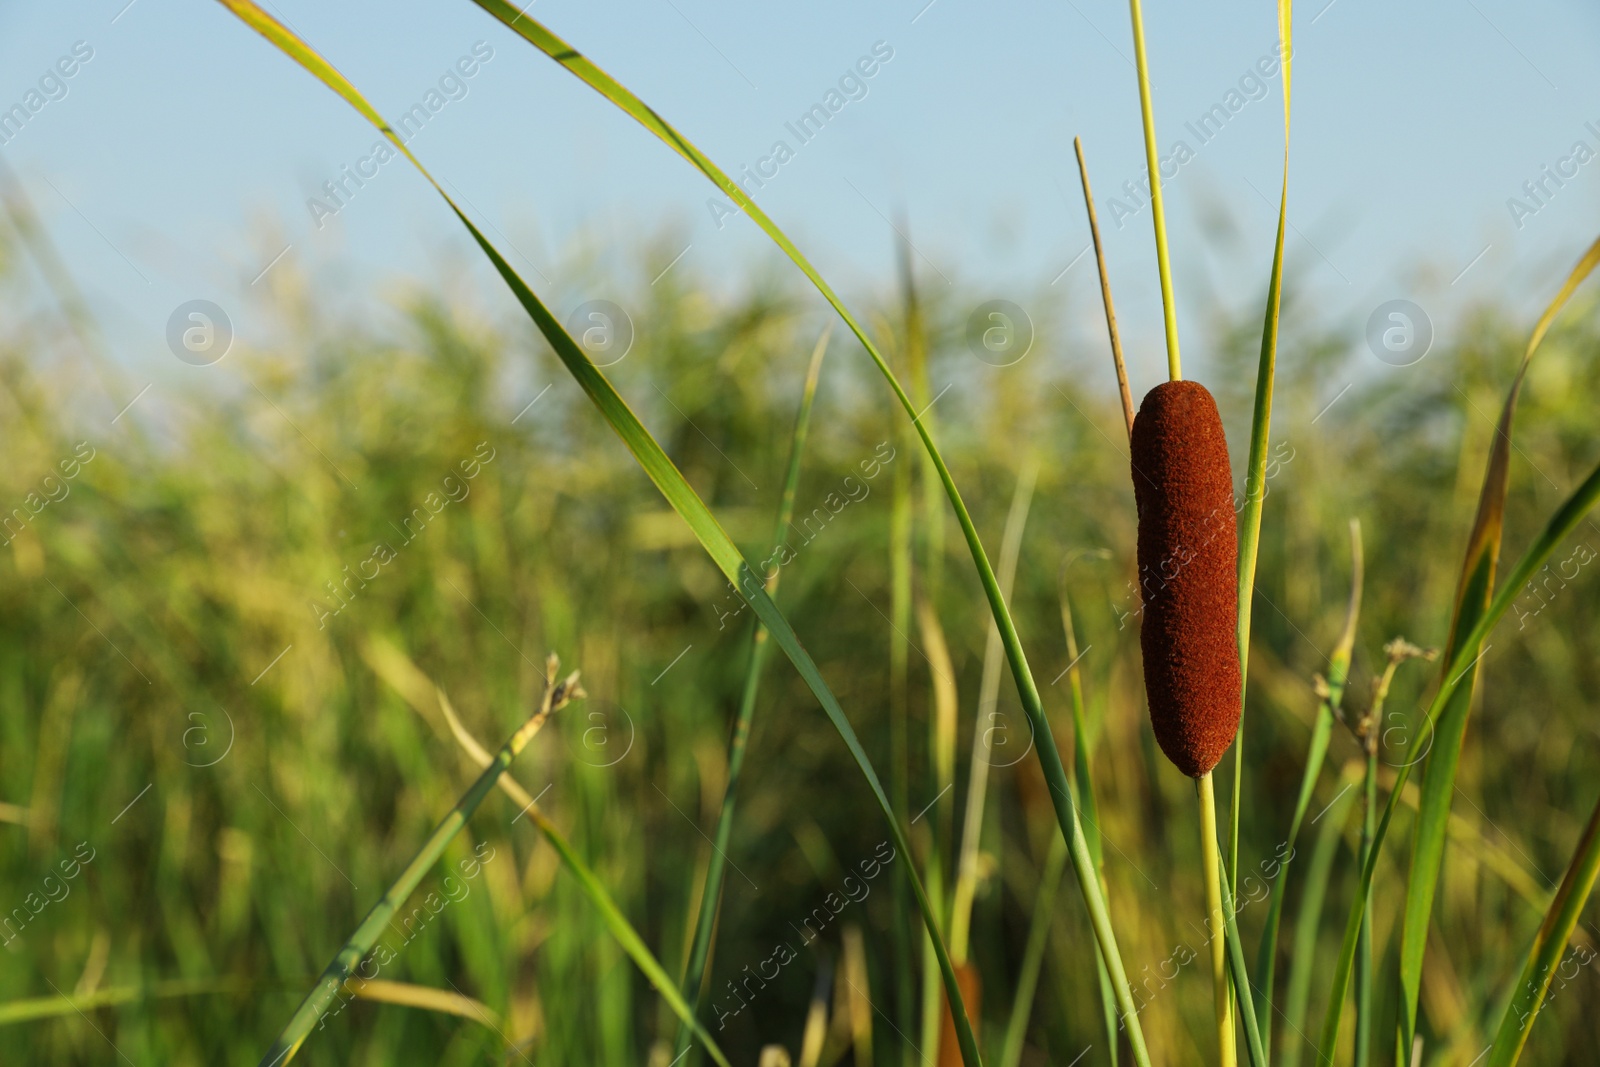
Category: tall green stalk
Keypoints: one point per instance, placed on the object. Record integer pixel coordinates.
(982, 723)
(900, 539)
(1227, 1054)
(1255, 475)
(1367, 730)
(1044, 902)
(1369, 825)
(760, 647)
(1308, 921)
(1158, 211)
(1083, 779)
(1233, 946)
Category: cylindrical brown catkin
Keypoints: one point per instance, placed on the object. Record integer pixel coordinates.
(1188, 574)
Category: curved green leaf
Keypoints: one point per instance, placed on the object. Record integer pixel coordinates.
(671, 483)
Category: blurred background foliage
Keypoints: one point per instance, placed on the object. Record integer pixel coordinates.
(250, 769)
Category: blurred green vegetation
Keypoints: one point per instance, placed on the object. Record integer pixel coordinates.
(249, 768)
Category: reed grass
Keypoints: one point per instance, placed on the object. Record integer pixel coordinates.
(1105, 288)
(588, 1011)
(1158, 211)
(1227, 1053)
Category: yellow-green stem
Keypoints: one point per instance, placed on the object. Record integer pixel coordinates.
(1214, 919)
(1158, 212)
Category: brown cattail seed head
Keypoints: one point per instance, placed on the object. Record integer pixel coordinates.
(1188, 574)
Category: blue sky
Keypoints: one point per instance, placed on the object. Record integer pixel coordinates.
(181, 159)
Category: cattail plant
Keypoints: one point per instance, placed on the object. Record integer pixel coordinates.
(1188, 575)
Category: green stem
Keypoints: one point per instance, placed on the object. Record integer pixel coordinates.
(1255, 471)
(900, 533)
(316, 1003)
(1241, 976)
(1227, 1053)
(1083, 783)
(1369, 824)
(1169, 308)
(1297, 1001)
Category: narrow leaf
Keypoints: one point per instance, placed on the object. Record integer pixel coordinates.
(1255, 475)
(314, 1007)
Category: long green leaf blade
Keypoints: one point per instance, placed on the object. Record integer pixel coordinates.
(1297, 998)
(588, 882)
(1255, 476)
(361, 942)
(660, 469)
